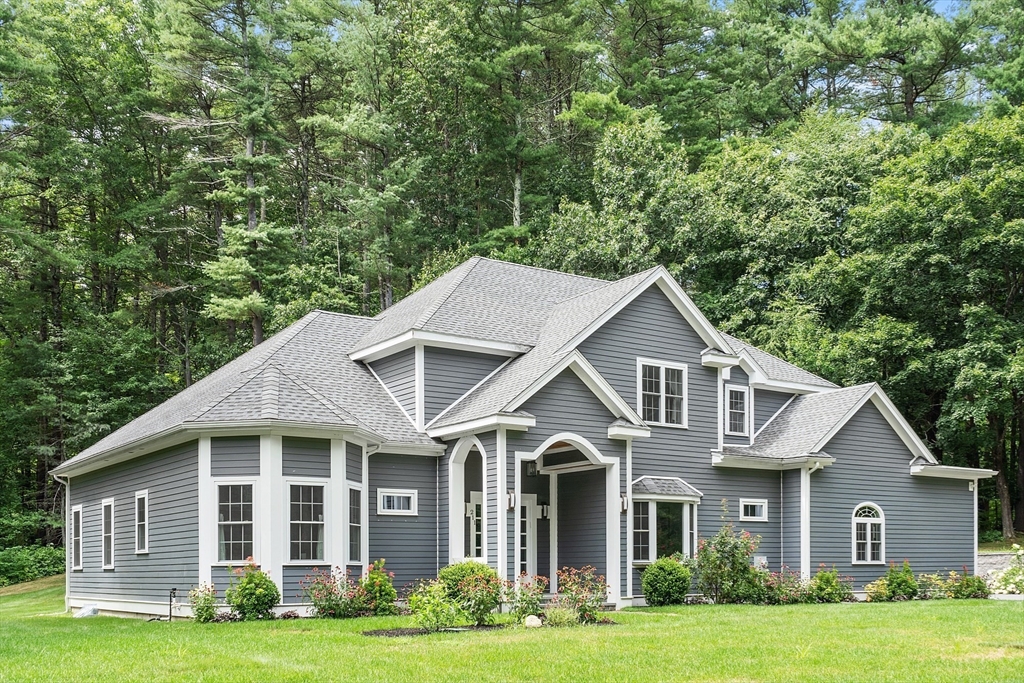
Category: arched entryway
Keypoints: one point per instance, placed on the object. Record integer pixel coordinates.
(467, 505)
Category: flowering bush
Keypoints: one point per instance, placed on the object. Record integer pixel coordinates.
(828, 586)
(524, 596)
(333, 595)
(877, 590)
(479, 596)
(379, 589)
(1010, 581)
(582, 590)
(203, 599)
(252, 594)
(453, 575)
(966, 587)
(900, 582)
(932, 587)
(665, 582)
(432, 608)
(784, 588)
(724, 566)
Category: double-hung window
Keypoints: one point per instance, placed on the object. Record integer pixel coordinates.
(736, 410)
(107, 530)
(397, 502)
(868, 534)
(663, 528)
(355, 525)
(76, 537)
(661, 392)
(234, 522)
(141, 522)
(307, 522)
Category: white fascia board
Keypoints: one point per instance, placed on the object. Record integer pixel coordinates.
(628, 432)
(789, 387)
(950, 472)
(713, 358)
(445, 341)
(754, 462)
(395, 448)
(649, 497)
(519, 422)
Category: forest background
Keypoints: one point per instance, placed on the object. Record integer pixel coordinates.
(841, 183)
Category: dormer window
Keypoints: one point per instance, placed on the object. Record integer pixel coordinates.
(661, 392)
(736, 410)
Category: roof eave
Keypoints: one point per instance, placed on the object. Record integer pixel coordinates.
(409, 339)
(951, 472)
(520, 421)
(762, 462)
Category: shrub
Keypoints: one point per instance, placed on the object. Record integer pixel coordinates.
(932, 587)
(431, 607)
(828, 586)
(900, 582)
(203, 599)
(665, 582)
(557, 615)
(479, 596)
(966, 587)
(379, 589)
(252, 595)
(333, 595)
(724, 570)
(1010, 581)
(30, 562)
(877, 590)
(524, 597)
(453, 575)
(785, 588)
(583, 591)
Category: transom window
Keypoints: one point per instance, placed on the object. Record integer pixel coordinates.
(662, 529)
(355, 525)
(234, 522)
(107, 522)
(753, 510)
(307, 522)
(868, 534)
(142, 521)
(396, 502)
(661, 391)
(736, 411)
(76, 537)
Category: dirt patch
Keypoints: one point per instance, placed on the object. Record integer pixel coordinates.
(37, 585)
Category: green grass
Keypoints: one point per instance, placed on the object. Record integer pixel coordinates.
(919, 641)
(998, 546)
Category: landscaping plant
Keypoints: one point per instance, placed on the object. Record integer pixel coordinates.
(877, 590)
(432, 609)
(379, 590)
(583, 591)
(783, 588)
(900, 582)
(333, 595)
(524, 596)
(252, 594)
(453, 575)
(828, 586)
(724, 566)
(666, 581)
(1010, 581)
(203, 599)
(558, 615)
(966, 586)
(932, 587)
(479, 596)
(28, 563)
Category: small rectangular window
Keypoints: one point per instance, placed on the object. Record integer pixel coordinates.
(753, 510)
(355, 525)
(234, 522)
(641, 532)
(661, 390)
(307, 522)
(736, 411)
(76, 537)
(396, 502)
(107, 529)
(142, 522)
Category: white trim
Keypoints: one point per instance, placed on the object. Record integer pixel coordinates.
(582, 445)
(757, 462)
(441, 340)
(774, 415)
(501, 463)
(482, 424)
(337, 532)
(613, 532)
(629, 518)
(349, 560)
(880, 521)
(553, 533)
(713, 358)
(457, 492)
(420, 388)
(754, 501)
(689, 524)
(107, 502)
(662, 365)
(207, 531)
(805, 523)
(529, 501)
(412, 494)
(271, 514)
(76, 542)
(364, 548)
(144, 494)
(788, 387)
(671, 289)
(720, 383)
(329, 514)
(384, 386)
(628, 432)
(950, 472)
(747, 409)
(256, 519)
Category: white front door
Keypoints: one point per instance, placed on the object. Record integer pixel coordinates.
(526, 535)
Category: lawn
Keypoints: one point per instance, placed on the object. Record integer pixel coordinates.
(998, 546)
(918, 641)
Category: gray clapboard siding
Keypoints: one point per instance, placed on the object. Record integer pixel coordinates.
(305, 457)
(292, 575)
(448, 374)
(581, 520)
(172, 478)
(738, 378)
(927, 521)
(406, 542)
(353, 461)
(651, 327)
(235, 456)
(398, 373)
(791, 519)
(490, 444)
(766, 404)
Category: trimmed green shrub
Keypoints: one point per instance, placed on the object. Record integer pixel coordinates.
(828, 586)
(877, 590)
(431, 607)
(665, 582)
(252, 594)
(524, 597)
(557, 615)
(454, 574)
(966, 587)
(30, 562)
(333, 595)
(379, 589)
(900, 582)
(203, 599)
(932, 587)
(583, 591)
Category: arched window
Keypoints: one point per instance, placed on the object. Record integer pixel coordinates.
(868, 534)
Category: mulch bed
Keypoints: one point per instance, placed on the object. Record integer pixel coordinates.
(400, 632)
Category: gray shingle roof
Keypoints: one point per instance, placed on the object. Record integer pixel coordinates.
(776, 368)
(664, 486)
(805, 421)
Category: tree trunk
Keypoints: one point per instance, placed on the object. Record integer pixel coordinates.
(1019, 508)
(1002, 481)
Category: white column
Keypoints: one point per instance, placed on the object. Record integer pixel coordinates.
(207, 514)
(805, 523)
(420, 387)
(271, 521)
(553, 532)
(629, 518)
(367, 502)
(613, 536)
(518, 474)
(502, 503)
(337, 530)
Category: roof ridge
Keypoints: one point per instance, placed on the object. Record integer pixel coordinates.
(430, 310)
(545, 270)
(778, 358)
(320, 398)
(607, 283)
(341, 315)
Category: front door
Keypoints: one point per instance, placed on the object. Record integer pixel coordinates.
(526, 558)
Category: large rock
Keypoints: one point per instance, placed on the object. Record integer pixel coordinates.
(533, 621)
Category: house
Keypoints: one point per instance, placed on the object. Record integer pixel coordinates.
(526, 418)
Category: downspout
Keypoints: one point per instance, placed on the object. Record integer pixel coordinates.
(817, 466)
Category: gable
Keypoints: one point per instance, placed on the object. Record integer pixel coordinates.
(867, 432)
(568, 400)
(397, 373)
(448, 374)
